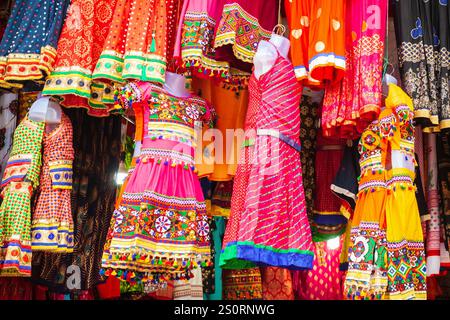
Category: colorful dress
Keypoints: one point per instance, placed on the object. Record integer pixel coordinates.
(20, 178)
(9, 104)
(160, 230)
(79, 47)
(52, 224)
(318, 40)
(242, 25)
(386, 250)
(407, 265)
(135, 46)
(268, 223)
(195, 38)
(423, 40)
(28, 46)
(351, 104)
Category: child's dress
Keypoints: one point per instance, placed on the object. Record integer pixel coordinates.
(52, 224)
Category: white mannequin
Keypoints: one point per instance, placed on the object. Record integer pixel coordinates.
(137, 149)
(266, 55)
(46, 110)
(176, 85)
(388, 78)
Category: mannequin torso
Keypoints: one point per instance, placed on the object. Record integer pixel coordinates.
(176, 85)
(46, 110)
(267, 54)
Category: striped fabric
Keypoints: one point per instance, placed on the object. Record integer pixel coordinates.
(268, 223)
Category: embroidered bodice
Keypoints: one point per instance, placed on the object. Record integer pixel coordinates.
(387, 145)
(171, 124)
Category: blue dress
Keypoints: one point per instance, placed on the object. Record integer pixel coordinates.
(28, 46)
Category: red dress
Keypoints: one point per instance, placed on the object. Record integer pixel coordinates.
(268, 223)
(52, 224)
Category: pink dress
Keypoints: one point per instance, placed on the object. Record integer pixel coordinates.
(268, 223)
(350, 105)
(160, 230)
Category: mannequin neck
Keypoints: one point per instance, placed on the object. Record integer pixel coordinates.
(281, 43)
(176, 84)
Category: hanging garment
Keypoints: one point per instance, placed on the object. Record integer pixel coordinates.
(218, 230)
(191, 289)
(52, 223)
(351, 104)
(433, 234)
(97, 148)
(386, 255)
(318, 40)
(230, 107)
(324, 280)
(328, 221)
(20, 179)
(423, 38)
(160, 230)
(244, 284)
(16, 289)
(79, 47)
(28, 46)
(135, 46)
(195, 38)
(9, 106)
(241, 26)
(276, 284)
(268, 222)
(405, 246)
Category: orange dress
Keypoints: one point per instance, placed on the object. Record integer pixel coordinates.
(231, 108)
(317, 40)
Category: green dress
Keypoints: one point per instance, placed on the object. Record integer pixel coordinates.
(20, 178)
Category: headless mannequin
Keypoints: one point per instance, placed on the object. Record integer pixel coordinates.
(46, 110)
(266, 55)
(176, 85)
(386, 81)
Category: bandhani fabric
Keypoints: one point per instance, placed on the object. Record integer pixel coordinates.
(433, 232)
(317, 40)
(52, 223)
(9, 106)
(243, 284)
(136, 43)
(423, 40)
(80, 44)
(28, 46)
(20, 179)
(324, 280)
(241, 26)
(160, 231)
(268, 222)
(351, 104)
(276, 284)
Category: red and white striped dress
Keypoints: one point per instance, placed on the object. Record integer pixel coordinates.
(268, 222)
